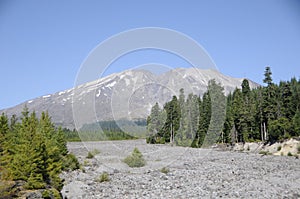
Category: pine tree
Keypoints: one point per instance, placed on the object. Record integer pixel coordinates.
(154, 123)
(181, 135)
(188, 121)
(296, 123)
(218, 112)
(172, 123)
(295, 89)
(268, 76)
(269, 105)
(204, 118)
(229, 122)
(4, 128)
(237, 108)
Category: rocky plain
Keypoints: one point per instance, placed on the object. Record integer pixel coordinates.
(180, 172)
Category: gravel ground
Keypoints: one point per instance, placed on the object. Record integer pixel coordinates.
(194, 173)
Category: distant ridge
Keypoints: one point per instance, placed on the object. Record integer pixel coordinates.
(129, 94)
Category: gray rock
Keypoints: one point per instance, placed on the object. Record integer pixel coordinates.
(34, 195)
(195, 173)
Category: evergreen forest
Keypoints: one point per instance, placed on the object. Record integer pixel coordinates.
(267, 113)
(33, 154)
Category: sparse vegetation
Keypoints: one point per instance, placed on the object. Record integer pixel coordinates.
(264, 153)
(298, 149)
(165, 170)
(104, 177)
(279, 148)
(91, 154)
(95, 151)
(86, 163)
(135, 159)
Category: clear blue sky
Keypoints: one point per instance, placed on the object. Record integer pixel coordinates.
(43, 43)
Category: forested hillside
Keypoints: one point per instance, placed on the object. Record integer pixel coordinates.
(267, 113)
(33, 154)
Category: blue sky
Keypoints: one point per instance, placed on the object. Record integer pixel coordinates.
(43, 43)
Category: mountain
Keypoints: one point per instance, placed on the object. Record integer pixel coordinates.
(126, 95)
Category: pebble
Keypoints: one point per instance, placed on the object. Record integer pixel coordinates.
(194, 173)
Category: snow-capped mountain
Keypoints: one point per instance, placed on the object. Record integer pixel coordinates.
(126, 95)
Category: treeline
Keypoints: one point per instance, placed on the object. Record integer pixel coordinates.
(186, 122)
(97, 135)
(34, 153)
(108, 130)
(267, 113)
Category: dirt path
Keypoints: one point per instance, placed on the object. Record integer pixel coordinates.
(194, 173)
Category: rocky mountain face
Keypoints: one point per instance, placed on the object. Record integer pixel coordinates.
(126, 95)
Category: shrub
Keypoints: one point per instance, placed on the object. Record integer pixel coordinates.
(70, 162)
(86, 163)
(160, 140)
(264, 153)
(150, 140)
(35, 181)
(95, 151)
(298, 148)
(278, 148)
(135, 159)
(91, 154)
(165, 170)
(51, 193)
(104, 177)
(289, 154)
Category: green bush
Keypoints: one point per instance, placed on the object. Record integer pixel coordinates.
(165, 170)
(135, 159)
(70, 162)
(151, 140)
(104, 177)
(95, 152)
(91, 154)
(51, 193)
(298, 148)
(35, 181)
(160, 140)
(264, 153)
(278, 148)
(289, 154)
(86, 163)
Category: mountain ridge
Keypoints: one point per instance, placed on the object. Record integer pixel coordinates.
(128, 94)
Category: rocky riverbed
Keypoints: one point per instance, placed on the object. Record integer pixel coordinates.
(193, 173)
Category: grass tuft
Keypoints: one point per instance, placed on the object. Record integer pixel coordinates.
(165, 170)
(91, 154)
(104, 177)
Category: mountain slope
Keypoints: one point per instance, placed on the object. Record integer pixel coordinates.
(129, 94)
